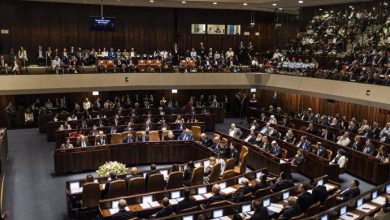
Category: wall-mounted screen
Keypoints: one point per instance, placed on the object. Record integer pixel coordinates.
(102, 24)
(233, 29)
(198, 28)
(216, 29)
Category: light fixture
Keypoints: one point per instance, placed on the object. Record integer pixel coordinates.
(151, 1)
(183, 2)
(253, 90)
(274, 4)
(95, 93)
(300, 2)
(320, 9)
(244, 4)
(215, 3)
(280, 9)
(174, 91)
(252, 24)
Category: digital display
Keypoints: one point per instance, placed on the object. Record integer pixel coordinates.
(374, 195)
(146, 199)
(343, 210)
(222, 185)
(202, 190)
(115, 204)
(246, 208)
(175, 194)
(324, 217)
(188, 217)
(266, 202)
(102, 24)
(320, 182)
(218, 213)
(359, 202)
(75, 185)
(286, 195)
(388, 189)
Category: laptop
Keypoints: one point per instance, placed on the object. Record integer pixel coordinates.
(286, 195)
(320, 182)
(374, 195)
(359, 202)
(188, 217)
(343, 210)
(246, 208)
(147, 199)
(218, 213)
(202, 190)
(175, 194)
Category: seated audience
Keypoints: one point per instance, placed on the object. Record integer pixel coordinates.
(240, 193)
(187, 201)
(216, 197)
(260, 212)
(283, 182)
(291, 209)
(165, 211)
(122, 214)
(350, 192)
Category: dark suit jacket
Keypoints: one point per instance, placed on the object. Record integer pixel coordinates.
(185, 204)
(101, 140)
(291, 212)
(140, 138)
(357, 146)
(128, 178)
(321, 152)
(262, 214)
(206, 142)
(239, 194)
(260, 185)
(148, 174)
(235, 155)
(122, 215)
(107, 186)
(276, 151)
(187, 176)
(284, 184)
(305, 200)
(350, 193)
(86, 142)
(215, 198)
(128, 140)
(320, 193)
(165, 211)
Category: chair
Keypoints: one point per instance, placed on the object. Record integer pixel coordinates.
(329, 154)
(156, 182)
(117, 188)
(196, 131)
(241, 168)
(91, 195)
(175, 180)
(136, 186)
(244, 149)
(313, 209)
(116, 138)
(227, 175)
(197, 176)
(300, 216)
(230, 164)
(314, 148)
(125, 133)
(164, 134)
(262, 192)
(284, 153)
(220, 203)
(153, 136)
(215, 171)
(330, 202)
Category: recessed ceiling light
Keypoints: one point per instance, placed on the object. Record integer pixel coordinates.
(244, 4)
(300, 2)
(151, 1)
(274, 4)
(280, 9)
(320, 9)
(215, 3)
(183, 2)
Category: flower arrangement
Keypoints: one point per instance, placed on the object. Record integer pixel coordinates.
(106, 168)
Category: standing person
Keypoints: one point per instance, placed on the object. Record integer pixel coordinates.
(10, 111)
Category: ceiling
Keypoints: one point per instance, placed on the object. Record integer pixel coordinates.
(266, 5)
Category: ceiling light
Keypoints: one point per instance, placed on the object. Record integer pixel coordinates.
(183, 2)
(280, 9)
(244, 4)
(274, 4)
(300, 2)
(151, 1)
(320, 9)
(215, 3)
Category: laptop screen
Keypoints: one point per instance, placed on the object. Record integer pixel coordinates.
(359, 202)
(388, 189)
(258, 175)
(324, 217)
(246, 208)
(343, 210)
(374, 195)
(218, 213)
(320, 182)
(175, 194)
(74, 185)
(188, 217)
(222, 185)
(146, 199)
(115, 204)
(286, 195)
(202, 190)
(266, 202)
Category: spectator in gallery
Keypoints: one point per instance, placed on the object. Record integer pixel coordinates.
(340, 159)
(28, 118)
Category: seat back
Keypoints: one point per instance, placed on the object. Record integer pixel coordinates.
(330, 201)
(175, 180)
(329, 154)
(116, 138)
(196, 131)
(241, 168)
(117, 188)
(230, 164)
(125, 133)
(153, 136)
(262, 192)
(91, 195)
(136, 186)
(188, 209)
(284, 153)
(228, 174)
(164, 134)
(215, 171)
(156, 182)
(244, 149)
(197, 176)
(313, 209)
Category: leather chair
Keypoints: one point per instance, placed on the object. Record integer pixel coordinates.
(330, 202)
(215, 171)
(230, 164)
(219, 204)
(196, 131)
(329, 154)
(117, 188)
(153, 136)
(125, 133)
(175, 180)
(116, 138)
(136, 186)
(244, 149)
(314, 209)
(241, 168)
(262, 192)
(156, 183)
(91, 195)
(284, 153)
(227, 175)
(197, 176)
(164, 134)
(300, 216)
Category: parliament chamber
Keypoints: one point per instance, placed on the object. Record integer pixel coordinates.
(194, 109)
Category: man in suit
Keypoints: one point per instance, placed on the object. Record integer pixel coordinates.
(282, 183)
(291, 209)
(352, 191)
(187, 176)
(327, 135)
(108, 183)
(265, 129)
(234, 131)
(153, 170)
(216, 197)
(357, 143)
(233, 153)
(205, 141)
(186, 135)
(260, 212)
(266, 144)
(129, 138)
(82, 141)
(305, 199)
(321, 151)
(165, 211)
(304, 144)
(261, 183)
(143, 137)
(240, 193)
(251, 137)
(319, 192)
(94, 131)
(311, 130)
(186, 203)
(275, 149)
(369, 148)
(100, 139)
(122, 214)
(133, 173)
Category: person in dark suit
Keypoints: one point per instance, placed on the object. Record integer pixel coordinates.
(282, 183)
(240, 193)
(327, 135)
(352, 191)
(129, 138)
(304, 144)
(143, 137)
(319, 192)
(251, 137)
(321, 151)
(122, 214)
(298, 159)
(275, 149)
(133, 173)
(82, 141)
(186, 203)
(311, 129)
(205, 141)
(186, 135)
(305, 199)
(357, 143)
(369, 148)
(108, 183)
(260, 183)
(291, 210)
(100, 139)
(187, 176)
(260, 212)
(153, 170)
(233, 153)
(216, 197)
(165, 211)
